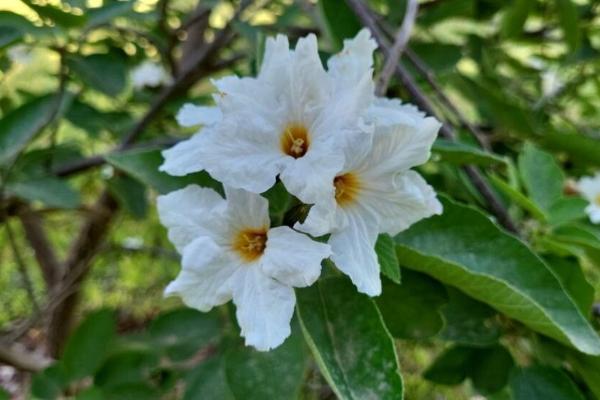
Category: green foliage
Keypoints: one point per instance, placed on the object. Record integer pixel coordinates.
(543, 383)
(388, 260)
(352, 347)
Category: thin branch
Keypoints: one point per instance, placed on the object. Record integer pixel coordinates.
(18, 357)
(22, 267)
(400, 41)
(38, 240)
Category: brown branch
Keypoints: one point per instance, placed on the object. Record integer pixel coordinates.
(400, 41)
(493, 201)
(38, 240)
(18, 357)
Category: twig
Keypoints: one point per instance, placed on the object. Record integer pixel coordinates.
(493, 202)
(400, 41)
(18, 357)
(22, 267)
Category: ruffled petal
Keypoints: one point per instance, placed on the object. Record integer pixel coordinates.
(192, 115)
(264, 308)
(292, 258)
(245, 209)
(204, 281)
(320, 219)
(356, 59)
(189, 213)
(185, 157)
(354, 251)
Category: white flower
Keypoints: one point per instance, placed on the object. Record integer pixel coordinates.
(376, 192)
(291, 121)
(229, 252)
(149, 74)
(589, 187)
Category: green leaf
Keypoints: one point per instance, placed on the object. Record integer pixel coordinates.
(349, 341)
(21, 125)
(131, 194)
(340, 19)
(60, 17)
(4, 395)
(542, 176)
(132, 391)
(464, 248)
(573, 280)
(515, 16)
(49, 383)
(276, 374)
(386, 255)
(451, 367)
(468, 321)
(52, 192)
(566, 209)
(106, 73)
(94, 121)
(208, 381)
(463, 154)
(91, 393)
(568, 18)
(143, 165)
(543, 383)
(9, 35)
(86, 349)
(411, 310)
(588, 368)
(440, 57)
(130, 366)
(181, 333)
(109, 11)
(518, 198)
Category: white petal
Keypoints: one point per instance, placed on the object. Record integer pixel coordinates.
(356, 58)
(189, 213)
(310, 178)
(185, 158)
(292, 258)
(354, 251)
(264, 308)
(400, 200)
(593, 211)
(192, 115)
(204, 281)
(246, 209)
(246, 157)
(589, 186)
(276, 58)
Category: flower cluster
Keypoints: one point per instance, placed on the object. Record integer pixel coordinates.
(589, 186)
(334, 146)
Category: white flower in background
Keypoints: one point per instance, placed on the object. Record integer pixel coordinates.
(589, 187)
(376, 192)
(149, 74)
(20, 54)
(551, 83)
(229, 252)
(291, 121)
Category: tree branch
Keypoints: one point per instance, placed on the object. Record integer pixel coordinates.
(21, 359)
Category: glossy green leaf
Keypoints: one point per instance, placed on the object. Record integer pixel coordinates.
(50, 191)
(143, 165)
(518, 198)
(340, 19)
(541, 175)
(106, 73)
(543, 383)
(568, 17)
(566, 209)
(411, 310)
(126, 367)
(21, 125)
(386, 255)
(468, 321)
(463, 154)
(208, 381)
(573, 281)
(131, 194)
(88, 346)
(588, 368)
(349, 341)
(451, 367)
(464, 248)
(182, 332)
(515, 16)
(276, 374)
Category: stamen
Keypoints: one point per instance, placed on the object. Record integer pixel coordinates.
(347, 189)
(295, 140)
(250, 244)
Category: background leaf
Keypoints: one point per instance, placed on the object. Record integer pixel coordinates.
(543, 383)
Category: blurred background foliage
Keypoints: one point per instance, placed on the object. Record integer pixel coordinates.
(80, 140)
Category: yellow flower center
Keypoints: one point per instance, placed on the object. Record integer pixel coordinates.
(295, 140)
(347, 188)
(250, 244)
